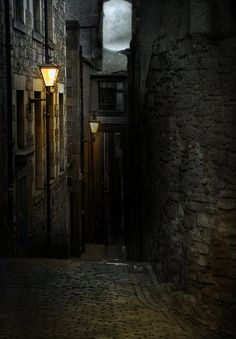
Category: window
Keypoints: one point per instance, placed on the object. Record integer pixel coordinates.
(19, 10)
(111, 96)
(20, 112)
(50, 21)
(37, 16)
(38, 127)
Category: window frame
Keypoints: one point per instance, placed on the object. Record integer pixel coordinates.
(101, 105)
(19, 11)
(37, 16)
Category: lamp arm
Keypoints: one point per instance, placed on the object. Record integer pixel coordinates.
(33, 100)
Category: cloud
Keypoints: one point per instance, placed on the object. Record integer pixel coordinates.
(117, 24)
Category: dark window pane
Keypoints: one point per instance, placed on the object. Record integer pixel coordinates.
(120, 86)
(19, 10)
(110, 96)
(119, 101)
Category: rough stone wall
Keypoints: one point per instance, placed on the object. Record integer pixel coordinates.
(28, 50)
(88, 14)
(74, 117)
(189, 153)
(27, 55)
(60, 223)
(3, 135)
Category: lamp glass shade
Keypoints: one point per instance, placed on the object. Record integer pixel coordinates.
(94, 126)
(50, 74)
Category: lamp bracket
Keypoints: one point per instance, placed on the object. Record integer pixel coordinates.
(33, 100)
(49, 89)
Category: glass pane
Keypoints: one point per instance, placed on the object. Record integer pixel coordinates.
(120, 86)
(111, 95)
(119, 101)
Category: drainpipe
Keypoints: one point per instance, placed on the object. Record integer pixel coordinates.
(82, 149)
(46, 31)
(10, 198)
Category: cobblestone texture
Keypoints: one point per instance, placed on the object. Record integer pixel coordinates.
(45, 298)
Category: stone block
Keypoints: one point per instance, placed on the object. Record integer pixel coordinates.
(227, 204)
(206, 279)
(226, 229)
(201, 248)
(202, 261)
(199, 17)
(203, 220)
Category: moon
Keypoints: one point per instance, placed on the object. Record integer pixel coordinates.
(116, 25)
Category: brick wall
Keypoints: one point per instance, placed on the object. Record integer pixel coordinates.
(188, 133)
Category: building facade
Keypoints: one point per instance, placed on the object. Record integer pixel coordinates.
(6, 234)
(83, 57)
(89, 15)
(26, 32)
(74, 131)
(183, 78)
(109, 102)
(102, 163)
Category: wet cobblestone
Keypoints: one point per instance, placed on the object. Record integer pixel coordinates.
(45, 298)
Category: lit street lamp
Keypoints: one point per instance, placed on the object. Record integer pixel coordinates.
(94, 123)
(50, 74)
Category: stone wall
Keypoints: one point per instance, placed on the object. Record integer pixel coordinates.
(74, 120)
(88, 13)
(28, 53)
(189, 151)
(4, 234)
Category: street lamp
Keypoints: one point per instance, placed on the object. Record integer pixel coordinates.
(50, 74)
(94, 123)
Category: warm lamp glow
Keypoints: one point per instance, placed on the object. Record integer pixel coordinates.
(94, 124)
(50, 74)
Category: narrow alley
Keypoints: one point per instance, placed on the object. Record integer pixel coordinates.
(100, 296)
(117, 169)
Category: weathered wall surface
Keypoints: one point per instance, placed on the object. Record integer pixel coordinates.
(189, 148)
(4, 234)
(28, 53)
(74, 120)
(88, 13)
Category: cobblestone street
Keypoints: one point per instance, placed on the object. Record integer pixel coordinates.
(110, 298)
